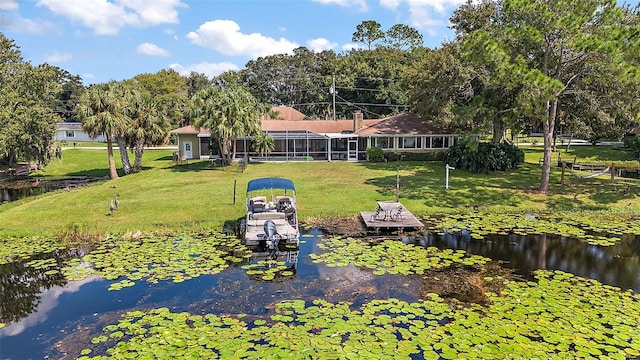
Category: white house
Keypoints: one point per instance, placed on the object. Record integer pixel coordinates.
(73, 132)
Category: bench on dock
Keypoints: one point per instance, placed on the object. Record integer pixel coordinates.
(390, 216)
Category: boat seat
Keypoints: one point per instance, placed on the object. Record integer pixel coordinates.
(259, 224)
(269, 215)
(283, 198)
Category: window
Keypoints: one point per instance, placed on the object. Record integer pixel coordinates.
(339, 144)
(383, 142)
(410, 142)
(71, 134)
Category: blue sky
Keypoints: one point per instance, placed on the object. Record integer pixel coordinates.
(103, 40)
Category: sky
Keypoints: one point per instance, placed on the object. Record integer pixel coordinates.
(103, 40)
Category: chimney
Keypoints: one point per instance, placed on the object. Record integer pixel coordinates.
(357, 121)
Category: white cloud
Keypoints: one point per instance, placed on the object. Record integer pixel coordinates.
(107, 18)
(224, 36)
(155, 12)
(57, 57)
(320, 44)
(20, 24)
(209, 69)
(15, 22)
(361, 4)
(351, 46)
(427, 15)
(8, 5)
(390, 4)
(47, 304)
(151, 49)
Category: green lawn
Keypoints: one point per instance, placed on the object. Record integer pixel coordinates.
(585, 154)
(169, 196)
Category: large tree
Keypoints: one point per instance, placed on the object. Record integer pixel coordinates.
(229, 112)
(460, 93)
(195, 82)
(301, 80)
(369, 81)
(27, 119)
(548, 51)
(72, 88)
(170, 93)
(368, 32)
(403, 37)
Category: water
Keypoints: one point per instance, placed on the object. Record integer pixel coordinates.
(49, 317)
(19, 189)
(617, 265)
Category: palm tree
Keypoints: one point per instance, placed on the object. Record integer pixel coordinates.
(147, 126)
(103, 110)
(229, 112)
(263, 144)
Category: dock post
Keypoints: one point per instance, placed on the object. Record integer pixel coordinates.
(398, 185)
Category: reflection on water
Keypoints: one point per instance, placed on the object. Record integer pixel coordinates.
(48, 300)
(16, 190)
(44, 313)
(22, 285)
(617, 265)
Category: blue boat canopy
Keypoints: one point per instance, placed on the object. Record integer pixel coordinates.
(270, 183)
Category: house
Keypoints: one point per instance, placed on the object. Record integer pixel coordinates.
(328, 139)
(73, 132)
(285, 113)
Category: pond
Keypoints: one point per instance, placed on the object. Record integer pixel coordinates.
(12, 190)
(48, 316)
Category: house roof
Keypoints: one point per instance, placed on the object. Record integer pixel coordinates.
(404, 124)
(316, 126)
(64, 126)
(400, 124)
(189, 129)
(286, 113)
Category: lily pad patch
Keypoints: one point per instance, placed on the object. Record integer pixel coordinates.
(559, 316)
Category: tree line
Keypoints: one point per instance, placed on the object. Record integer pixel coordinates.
(513, 65)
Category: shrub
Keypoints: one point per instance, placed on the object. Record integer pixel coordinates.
(375, 154)
(485, 157)
(415, 156)
(633, 143)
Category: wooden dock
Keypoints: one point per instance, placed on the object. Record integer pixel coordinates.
(390, 216)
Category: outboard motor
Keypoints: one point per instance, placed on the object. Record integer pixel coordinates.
(271, 233)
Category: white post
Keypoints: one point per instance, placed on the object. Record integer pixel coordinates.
(446, 184)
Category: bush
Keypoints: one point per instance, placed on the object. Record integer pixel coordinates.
(633, 143)
(486, 157)
(375, 154)
(415, 156)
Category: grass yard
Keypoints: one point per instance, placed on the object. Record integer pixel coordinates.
(170, 196)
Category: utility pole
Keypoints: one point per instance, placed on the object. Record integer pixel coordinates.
(333, 92)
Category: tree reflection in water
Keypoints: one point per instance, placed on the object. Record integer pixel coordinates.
(22, 285)
(617, 265)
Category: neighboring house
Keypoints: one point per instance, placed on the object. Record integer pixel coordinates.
(328, 139)
(73, 132)
(285, 113)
